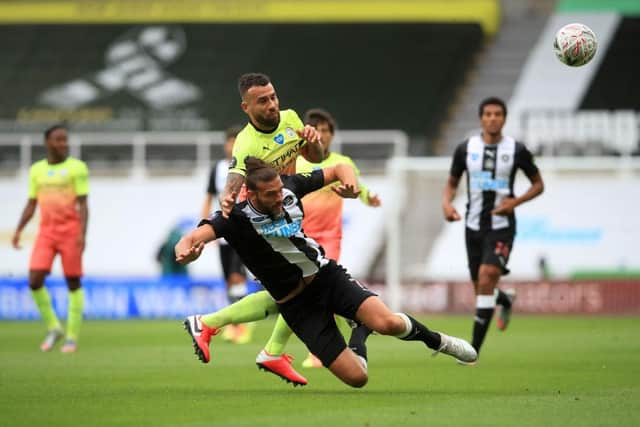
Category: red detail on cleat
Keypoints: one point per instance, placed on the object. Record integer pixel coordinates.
(281, 367)
(201, 335)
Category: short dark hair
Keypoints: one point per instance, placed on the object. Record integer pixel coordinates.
(315, 116)
(249, 80)
(492, 100)
(258, 171)
(50, 129)
(232, 132)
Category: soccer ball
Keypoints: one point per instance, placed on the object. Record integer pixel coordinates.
(575, 44)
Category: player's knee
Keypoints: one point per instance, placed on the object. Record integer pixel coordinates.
(73, 283)
(36, 280)
(388, 325)
(488, 274)
(357, 379)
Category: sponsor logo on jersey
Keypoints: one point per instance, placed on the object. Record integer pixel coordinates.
(279, 228)
(482, 181)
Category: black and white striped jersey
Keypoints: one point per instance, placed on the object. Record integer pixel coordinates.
(275, 248)
(218, 177)
(217, 181)
(491, 170)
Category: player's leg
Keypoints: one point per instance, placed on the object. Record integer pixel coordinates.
(279, 337)
(71, 257)
(237, 282)
(226, 253)
(495, 254)
(351, 300)
(253, 307)
(488, 276)
(376, 315)
(39, 266)
(505, 299)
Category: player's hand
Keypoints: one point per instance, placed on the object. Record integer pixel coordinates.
(15, 240)
(227, 204)
(185, 256)
(80, 242)
(374, 200)
(310, 134)
(348, 191)
(506, 207)
(450, 213)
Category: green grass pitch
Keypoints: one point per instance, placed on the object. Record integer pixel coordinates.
(543, 371)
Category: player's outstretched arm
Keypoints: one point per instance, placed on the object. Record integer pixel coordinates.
(27, 214)
(231, 190)
(190, 246)
(510, 203)
(450, 189)
(347, 176)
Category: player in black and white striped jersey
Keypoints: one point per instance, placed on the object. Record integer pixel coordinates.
(234, 272)
(491, 161)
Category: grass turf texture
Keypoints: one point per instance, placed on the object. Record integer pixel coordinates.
(564, 371)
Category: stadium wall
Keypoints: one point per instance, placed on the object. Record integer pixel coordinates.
(129, 218)
(182, 77)
(534, 297)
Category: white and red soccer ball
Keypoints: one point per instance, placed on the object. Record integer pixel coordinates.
(575, 44)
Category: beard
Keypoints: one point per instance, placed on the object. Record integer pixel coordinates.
(269, 122)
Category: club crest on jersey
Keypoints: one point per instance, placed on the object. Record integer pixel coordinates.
(290, 132)
(279, 139)
(51, 172)
(505, 158)
(474, 156)
(288, 201)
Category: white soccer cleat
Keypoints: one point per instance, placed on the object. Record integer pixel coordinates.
(53, 336)
(458, 348)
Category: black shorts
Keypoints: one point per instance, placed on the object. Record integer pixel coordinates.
(488, 247)
(231, 262)
(310, 314)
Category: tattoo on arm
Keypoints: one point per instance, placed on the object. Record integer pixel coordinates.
(234, 184)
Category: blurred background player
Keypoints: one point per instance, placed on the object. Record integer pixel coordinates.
(235, 275)
(59, 185)
(323, 215)
(491, 161)
(166, 257)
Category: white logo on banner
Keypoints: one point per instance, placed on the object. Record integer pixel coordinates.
(135, 63)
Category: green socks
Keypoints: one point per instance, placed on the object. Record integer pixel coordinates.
(74, 314)
(279, 337)
(256, 306)
(43, 301)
